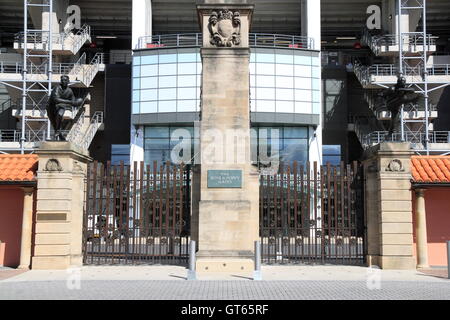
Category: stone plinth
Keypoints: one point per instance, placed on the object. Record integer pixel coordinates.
(389, 206)
(60, 199)
(228, 211)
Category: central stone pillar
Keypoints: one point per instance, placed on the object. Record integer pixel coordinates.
(228, 221)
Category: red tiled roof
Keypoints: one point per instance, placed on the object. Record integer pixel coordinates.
(18, 167)
(430, 169)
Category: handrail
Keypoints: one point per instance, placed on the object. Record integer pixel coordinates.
(39, 37)
(378, 137)
(255, 40)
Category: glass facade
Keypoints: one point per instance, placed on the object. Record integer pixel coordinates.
(331, 154)
(166, 81)
(281, 81)
(285, 81)
(288, 144)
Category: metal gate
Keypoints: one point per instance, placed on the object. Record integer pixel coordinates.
(311, 214)
(136, 215)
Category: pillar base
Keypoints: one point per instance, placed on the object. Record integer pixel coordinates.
(51, 263)
(397, 263)
(225, 262)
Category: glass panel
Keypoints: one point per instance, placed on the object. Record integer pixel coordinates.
(161, 156)
(120, 149)
(265, 106)
(331, 150)
(167, 69)
(253, 105)
(316, 84)
(295, 132)
(136, 83)
(284, 58)
(135, 108)
(189, 129)
(116, 159)
(187, 81)
(316, 108)
(303, 83)
(187, 57)
(252, 81)
(252, 57)
(136, 95)
(187, 68)
(302, 71)
(136, 71)
(285, 82)
(315, 61)
(285, 106)
(156, 132)
(284, 70)
(295, 150)
(285, 94)
(316, 72)
(303, 95)
(253, 93)
(187, 105)
(265, 68)
(167, 94)
(187, 93)
(136, 60)
(168, 82)
(153, 59)
(167, 106)
(265, 93)
(305, 60)
(149, 95)
(154, 144)
(333, 160)
(316, 96)
(149, 70)
(303, 107)
(265, 57)
(149, 83)
(265, 81)
(252, 68)
(149, 107)
(168, 58)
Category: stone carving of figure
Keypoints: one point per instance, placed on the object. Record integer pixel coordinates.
(61, 99)
(394, 98)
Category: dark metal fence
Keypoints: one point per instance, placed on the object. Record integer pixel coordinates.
(137, 214)
(312, 214)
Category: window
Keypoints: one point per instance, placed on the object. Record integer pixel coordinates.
(331, 154)
(120, 152)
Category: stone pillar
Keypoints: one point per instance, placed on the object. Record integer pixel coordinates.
(389, 206)
(229, 196)
(27, 228)
(421, 230)
(60, 201)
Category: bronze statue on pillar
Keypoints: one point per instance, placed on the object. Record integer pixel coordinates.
(61, 99)
(394, 98)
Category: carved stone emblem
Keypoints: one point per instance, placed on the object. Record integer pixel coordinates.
(225, 28)
(53, 165)
(395, 166)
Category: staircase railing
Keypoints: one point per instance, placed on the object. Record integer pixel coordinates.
(80, 38)
(96, 122)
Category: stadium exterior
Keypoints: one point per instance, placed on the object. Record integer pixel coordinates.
(343, 191)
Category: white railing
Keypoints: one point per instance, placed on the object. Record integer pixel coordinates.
(96, 122)
(255, 40)
(411, 41)
(91, 70)
(40, 39)
(78, 65)
(378, 137)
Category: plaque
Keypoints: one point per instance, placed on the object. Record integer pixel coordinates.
(222, 179)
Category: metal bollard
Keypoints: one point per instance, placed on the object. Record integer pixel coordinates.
(191, 272)
(448, 259)
(257, 275)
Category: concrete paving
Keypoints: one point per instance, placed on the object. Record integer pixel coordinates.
(280, 283)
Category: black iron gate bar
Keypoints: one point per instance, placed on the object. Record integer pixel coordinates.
(312, 215)
(136, 215)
